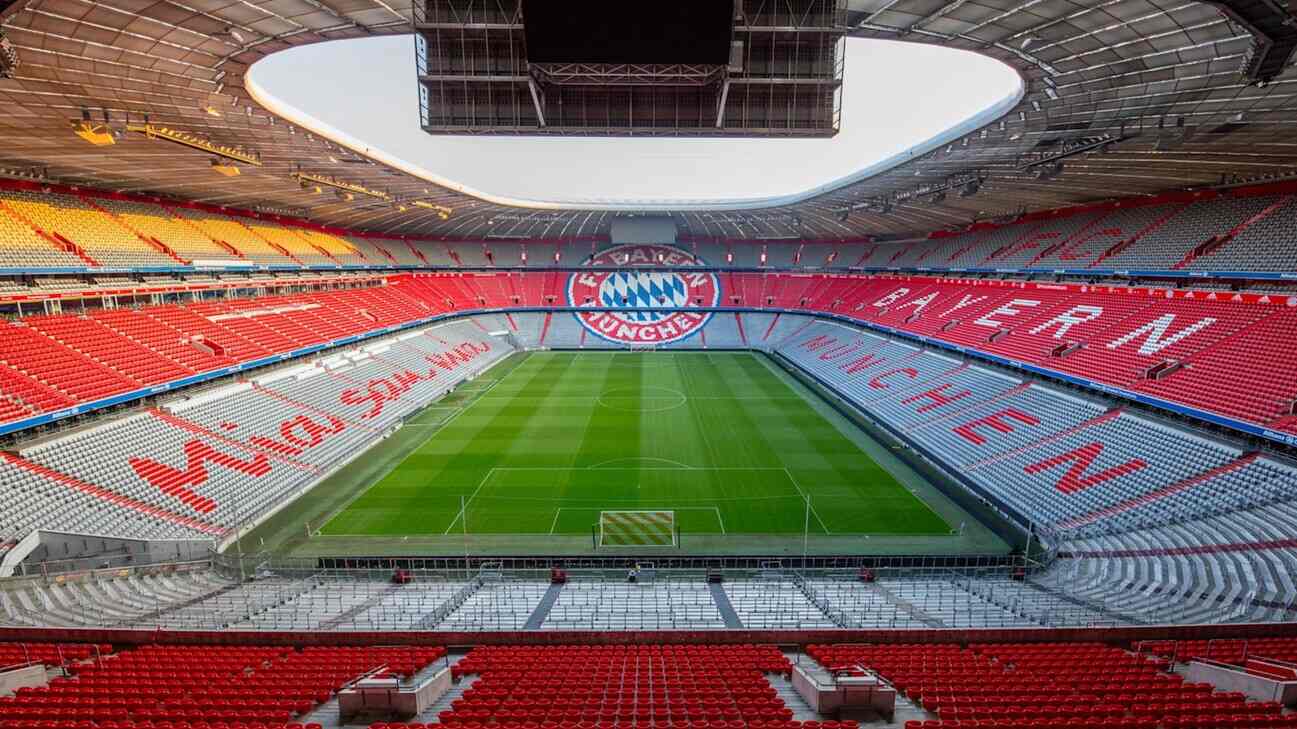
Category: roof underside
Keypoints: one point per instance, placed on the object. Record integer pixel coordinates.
(1168, 75)
(775, 69)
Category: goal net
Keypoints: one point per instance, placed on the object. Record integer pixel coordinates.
(637, 529)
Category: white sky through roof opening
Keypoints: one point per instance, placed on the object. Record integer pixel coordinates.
(900, 100)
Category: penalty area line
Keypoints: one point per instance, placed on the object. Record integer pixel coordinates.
(807, 500)
(464, 508)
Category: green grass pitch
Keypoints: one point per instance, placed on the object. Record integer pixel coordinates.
(718, 438)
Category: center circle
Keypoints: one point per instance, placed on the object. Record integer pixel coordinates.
(642, 399)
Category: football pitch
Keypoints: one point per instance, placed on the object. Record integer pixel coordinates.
(719, 440)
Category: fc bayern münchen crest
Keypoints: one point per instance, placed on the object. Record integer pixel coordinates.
(638, 302)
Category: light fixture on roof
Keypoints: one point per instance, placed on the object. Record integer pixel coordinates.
(306, 178)
(1047, 165)
(225, 152)
(100, 135)
(25, 173)
(212, 110)
(442, 211)
(222, 167)
(1048, 171)
(1051, 88)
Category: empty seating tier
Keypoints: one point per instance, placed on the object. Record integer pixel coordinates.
(203, 686)
(686, 686)
(1050, 686)
(22, 247)
(1222, 354)
(1236, 232)
(266, 439)
(156, 222)
(104, 240)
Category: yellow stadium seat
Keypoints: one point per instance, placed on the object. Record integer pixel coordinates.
(100, 236)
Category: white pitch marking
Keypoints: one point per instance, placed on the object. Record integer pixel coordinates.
(719, 520)
(463, 508)
(644, 458)
(804, 498)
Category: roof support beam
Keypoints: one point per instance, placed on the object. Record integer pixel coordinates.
(536, 100)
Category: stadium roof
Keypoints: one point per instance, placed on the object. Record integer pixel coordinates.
(1172, 83)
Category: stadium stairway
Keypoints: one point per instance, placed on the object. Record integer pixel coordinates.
(458, 686)
(537, 617)
(328, 714)
(905, 710)
(723, 606)
(783, 686)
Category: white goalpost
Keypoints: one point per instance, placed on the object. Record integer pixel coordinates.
(637, 528)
